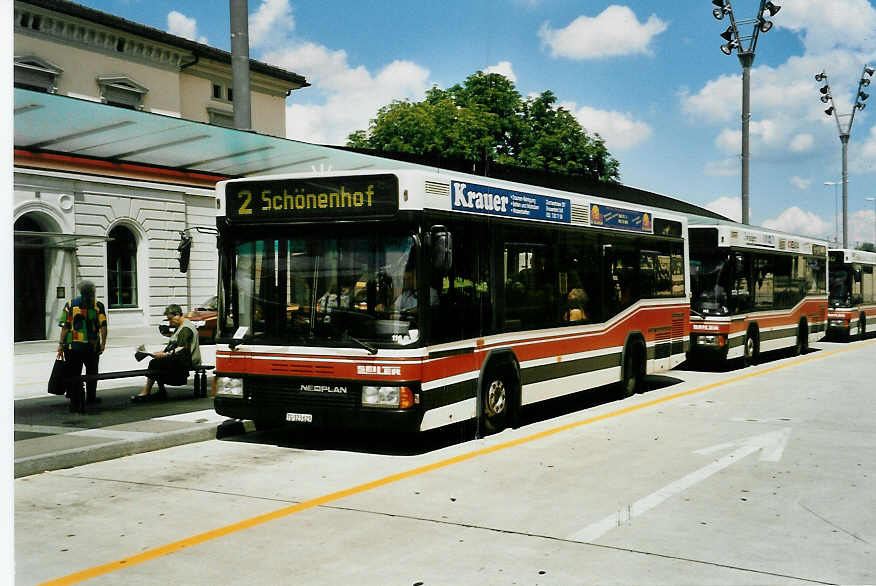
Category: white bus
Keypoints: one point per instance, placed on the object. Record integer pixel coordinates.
(753, 290)
(852, 293)
(414, 299)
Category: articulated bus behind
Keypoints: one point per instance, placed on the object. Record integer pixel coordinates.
(414, 299)
(852, 301)
(754, 290)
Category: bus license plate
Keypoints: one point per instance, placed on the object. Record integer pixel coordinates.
(300, 417)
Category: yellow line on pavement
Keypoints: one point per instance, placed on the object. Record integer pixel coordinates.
(328, 498)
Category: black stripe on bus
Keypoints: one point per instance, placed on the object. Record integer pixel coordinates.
(538, 374)
(448, 394)
(451, 352)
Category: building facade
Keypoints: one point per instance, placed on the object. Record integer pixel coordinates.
(80, 216)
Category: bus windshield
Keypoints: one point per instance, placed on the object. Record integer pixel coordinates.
(322, 289)
(840, 285)
(710, 282)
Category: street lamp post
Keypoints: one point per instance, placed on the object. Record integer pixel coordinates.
(746, 59)
(845, 132)
(835, 210)
(873, 199)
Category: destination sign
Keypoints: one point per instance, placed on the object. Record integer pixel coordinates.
(495, 201)
(620, 219)
(329, 198)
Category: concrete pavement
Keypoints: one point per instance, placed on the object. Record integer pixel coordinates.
(48, 437)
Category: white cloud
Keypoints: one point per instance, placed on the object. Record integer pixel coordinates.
(802, 142)
(864, 158)
(798, 221)
(723, 168)
(615, 31)
(729, 141)
(619, 129)
(827, 24)
(351, 95)
(730, 207)
(800, 183)
(862, 225)
(502, 68)
(271, 22)
(182, 26)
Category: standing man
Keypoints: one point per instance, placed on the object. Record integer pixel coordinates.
(172, 365)
(83, 340)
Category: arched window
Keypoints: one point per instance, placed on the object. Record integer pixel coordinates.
(121, 255)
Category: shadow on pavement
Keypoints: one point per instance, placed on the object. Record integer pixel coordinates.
(114, 408)
(411, 444)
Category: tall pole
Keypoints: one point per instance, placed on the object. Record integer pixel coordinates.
(845, 132)
(240, 64)
(845, 140)
(746, 59)
(735, 41)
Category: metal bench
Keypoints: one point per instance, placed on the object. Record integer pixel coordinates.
(200, 384)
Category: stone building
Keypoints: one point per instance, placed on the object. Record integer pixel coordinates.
(95, 97)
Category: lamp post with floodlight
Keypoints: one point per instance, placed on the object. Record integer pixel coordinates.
(845, 131)
(746, 58)
(835, 209)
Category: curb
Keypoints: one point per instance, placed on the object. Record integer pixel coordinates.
(69, 458)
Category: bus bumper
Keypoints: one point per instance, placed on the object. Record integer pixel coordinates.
(711, 346)
(366, 418)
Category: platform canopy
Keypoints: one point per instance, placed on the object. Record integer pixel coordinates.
(60, 124)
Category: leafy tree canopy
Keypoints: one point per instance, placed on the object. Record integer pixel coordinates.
(485, 118)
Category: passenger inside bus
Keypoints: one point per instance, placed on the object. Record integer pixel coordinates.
(577, 305)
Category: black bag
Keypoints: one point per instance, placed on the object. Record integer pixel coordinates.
(59, 380)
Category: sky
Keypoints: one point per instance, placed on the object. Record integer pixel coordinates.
(649, 77)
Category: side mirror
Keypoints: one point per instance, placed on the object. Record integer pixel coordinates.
(184, 249)
(442, 248)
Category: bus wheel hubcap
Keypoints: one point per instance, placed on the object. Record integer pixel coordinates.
(496, 398)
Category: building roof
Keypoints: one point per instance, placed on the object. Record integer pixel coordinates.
(53, 128)
(197, 49)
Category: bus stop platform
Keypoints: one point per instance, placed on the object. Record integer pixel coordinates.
(47, 436)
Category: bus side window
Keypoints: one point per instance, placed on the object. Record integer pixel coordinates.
(463, 309)
(868, 285)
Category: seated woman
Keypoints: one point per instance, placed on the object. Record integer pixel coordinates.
(172, 365)
(577, 301)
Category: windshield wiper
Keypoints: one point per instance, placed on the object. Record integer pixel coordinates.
(371, 349)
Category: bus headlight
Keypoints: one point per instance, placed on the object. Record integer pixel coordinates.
(718, 340)
(227, 386)
(391, 397)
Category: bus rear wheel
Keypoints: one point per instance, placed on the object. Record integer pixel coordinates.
(750, 351)
(495, 402)
(802, 339)
(633, 370)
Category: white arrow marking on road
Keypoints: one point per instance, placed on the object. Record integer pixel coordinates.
(772, 445)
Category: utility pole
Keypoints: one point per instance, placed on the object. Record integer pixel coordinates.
(240, 64)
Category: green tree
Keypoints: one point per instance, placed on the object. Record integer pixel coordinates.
(486, 119)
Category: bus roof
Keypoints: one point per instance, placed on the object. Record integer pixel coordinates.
(738, 235)
(850, 255)
(435, 189)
